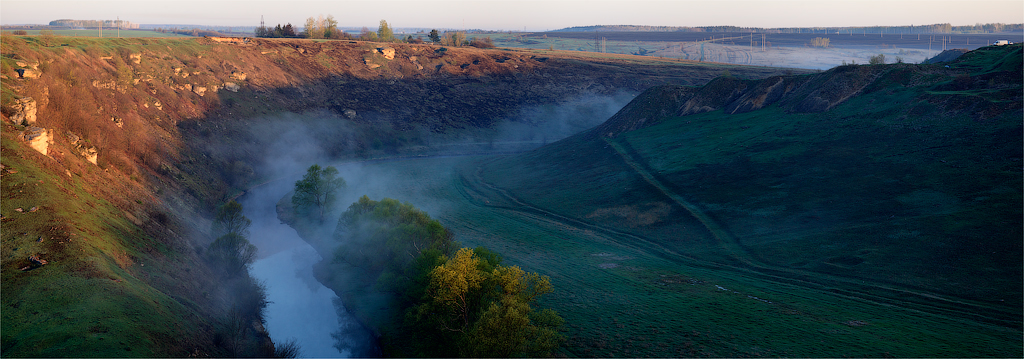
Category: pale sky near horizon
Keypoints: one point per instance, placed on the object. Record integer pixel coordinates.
(531, 15)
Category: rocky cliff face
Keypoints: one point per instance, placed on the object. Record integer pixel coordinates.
(23, 111)
(37, 138)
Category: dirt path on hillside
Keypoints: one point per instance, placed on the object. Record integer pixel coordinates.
(849, 288)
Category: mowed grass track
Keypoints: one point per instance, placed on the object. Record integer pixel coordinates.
(624, 294)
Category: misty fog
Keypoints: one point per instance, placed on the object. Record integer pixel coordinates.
(301, 308)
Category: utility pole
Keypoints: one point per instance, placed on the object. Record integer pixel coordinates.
(101, 28)
(119, 26)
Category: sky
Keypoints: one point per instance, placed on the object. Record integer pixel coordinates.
(529, 15)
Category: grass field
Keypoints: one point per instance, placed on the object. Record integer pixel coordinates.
(624, 294)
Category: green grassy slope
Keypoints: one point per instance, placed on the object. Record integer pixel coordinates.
(109, 289)
(897, 186)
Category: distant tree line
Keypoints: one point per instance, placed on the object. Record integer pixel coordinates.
(190, 32)
(278, 31)
(327, 28)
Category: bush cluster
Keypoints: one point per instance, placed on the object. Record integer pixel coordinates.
(454, 302)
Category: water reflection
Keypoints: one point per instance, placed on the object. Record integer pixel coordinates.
(300, 307)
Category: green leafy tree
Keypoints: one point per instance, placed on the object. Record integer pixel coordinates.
(229, 219)
(434, 36)
(384, 32)
(317, 190)
(330, 26)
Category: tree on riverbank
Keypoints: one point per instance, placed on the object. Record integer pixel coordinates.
(317, 190)
(229, 219)
(453, 302)
(232, 254)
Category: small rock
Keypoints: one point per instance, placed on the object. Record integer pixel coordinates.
(33, 209)
(350, 113)
(19, 210)
(40, 239)
(37, 261)
(231, 86)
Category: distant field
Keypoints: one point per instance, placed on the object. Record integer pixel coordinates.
(918, 41)
(784, 50)
(111, 33)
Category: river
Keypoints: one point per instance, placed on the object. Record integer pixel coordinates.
(300, 308)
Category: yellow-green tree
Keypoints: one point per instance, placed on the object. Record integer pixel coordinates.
(450, 287)
(489, 314)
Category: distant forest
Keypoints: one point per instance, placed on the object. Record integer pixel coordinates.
(912, 29)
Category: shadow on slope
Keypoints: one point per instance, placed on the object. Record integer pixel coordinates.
(899, 183)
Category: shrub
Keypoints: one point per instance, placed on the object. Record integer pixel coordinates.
(288, 349)
(485, 43)
(20, 32)
(820, 42)
(48, 37)
(877, 60)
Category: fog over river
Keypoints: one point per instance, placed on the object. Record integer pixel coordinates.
(300, 308)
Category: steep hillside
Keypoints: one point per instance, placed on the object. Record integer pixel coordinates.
(115, 152)
(897, 185)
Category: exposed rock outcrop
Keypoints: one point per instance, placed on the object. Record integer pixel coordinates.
(38, 138)
(388, 52)
(238, 75)
(23, 111)
(28, 73)
(110, 85)
(231, 86)
(89, 152)
(232, 40)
